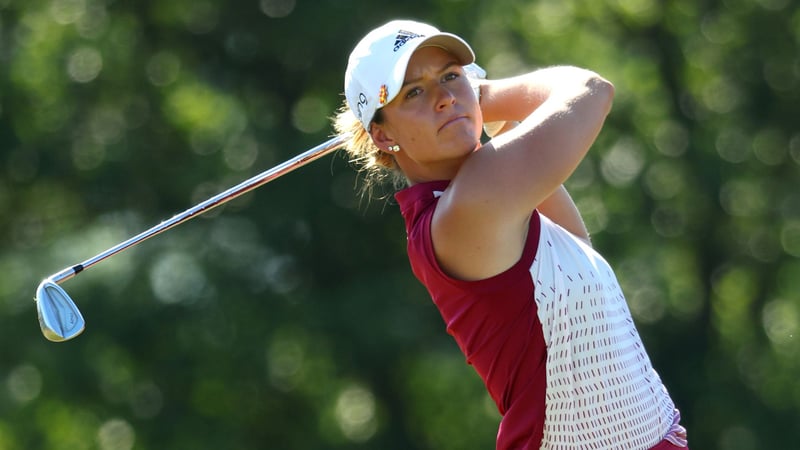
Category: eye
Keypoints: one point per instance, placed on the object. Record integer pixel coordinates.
(450, 76)
(413, 92)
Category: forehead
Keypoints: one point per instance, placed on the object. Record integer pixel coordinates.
(430, 58)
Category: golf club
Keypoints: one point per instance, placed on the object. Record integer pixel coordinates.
(60, 318)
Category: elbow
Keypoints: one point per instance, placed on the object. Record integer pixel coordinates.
(591, 88)
(602, 90)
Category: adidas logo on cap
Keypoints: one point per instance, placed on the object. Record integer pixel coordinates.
(403, 37)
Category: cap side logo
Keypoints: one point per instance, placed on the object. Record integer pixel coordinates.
(362, 103)
(383, 94)
(403, 37)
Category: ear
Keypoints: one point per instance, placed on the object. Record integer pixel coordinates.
(381, 137)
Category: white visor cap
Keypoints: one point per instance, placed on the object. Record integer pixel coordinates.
(376, 68)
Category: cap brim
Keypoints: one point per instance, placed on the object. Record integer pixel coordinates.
(452, 44)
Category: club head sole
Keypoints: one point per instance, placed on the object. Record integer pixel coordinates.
(59, 318)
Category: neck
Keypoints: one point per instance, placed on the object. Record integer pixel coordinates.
(416, 172)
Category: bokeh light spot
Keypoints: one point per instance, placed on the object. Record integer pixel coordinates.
(146, 400)
(781, 320)
(84, 64)
(65, 12)
(552, 17)
(732, 145)
(594, 212)
(24, 383)
(163, 68)
(738, 438)
(241, 153)
(770, 146)
(94, 21)
(201, 17)
(744, 198)
(277, 8)
(719, 28)
(773, 5)
(668, 221)
(794, 148)
(671, 138)
(177, 277)
(664, 180)
(116, 434)
(643, 12)
(310, 114)
(285, 359)
(721, 95)
(790, 238)
(623, 163)
(647, 305)
(355, 413)
(282, 273)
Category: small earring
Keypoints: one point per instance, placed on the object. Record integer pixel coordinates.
(394, 148)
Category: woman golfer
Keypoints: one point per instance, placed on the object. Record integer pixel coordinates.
(498, 242)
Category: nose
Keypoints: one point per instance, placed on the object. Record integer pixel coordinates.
(444, 97)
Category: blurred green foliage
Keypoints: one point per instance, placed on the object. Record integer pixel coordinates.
(289, 317)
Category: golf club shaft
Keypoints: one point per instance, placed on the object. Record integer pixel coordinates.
(223, 197)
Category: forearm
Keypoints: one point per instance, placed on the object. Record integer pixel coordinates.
(559, 206)
(515, 98)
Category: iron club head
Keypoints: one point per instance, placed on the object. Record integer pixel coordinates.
(59, 318)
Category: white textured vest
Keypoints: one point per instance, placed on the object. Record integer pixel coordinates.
(602, 391)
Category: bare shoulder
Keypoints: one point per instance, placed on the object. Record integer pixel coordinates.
(473, 243)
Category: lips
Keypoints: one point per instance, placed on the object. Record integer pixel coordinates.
(451, 121)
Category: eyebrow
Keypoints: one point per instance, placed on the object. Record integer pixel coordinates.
(447, 65)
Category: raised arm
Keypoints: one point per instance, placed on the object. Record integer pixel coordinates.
(559, 206)
(480, 225)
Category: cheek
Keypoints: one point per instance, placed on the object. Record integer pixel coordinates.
(399, 119)
(478, 120)
(410, 125)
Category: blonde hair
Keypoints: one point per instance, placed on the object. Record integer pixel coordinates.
(379, 169)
